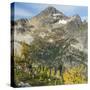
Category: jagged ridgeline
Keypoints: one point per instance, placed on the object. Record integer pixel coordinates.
(50, 49)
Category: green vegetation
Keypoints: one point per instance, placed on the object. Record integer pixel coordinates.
(31, 66)
(37, 76)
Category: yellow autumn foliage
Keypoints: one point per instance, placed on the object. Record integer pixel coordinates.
(58, 74)
(24, 50)
(48, 72)
(75, 75)
(53, 72)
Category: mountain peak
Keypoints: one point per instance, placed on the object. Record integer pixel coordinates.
(51, 10)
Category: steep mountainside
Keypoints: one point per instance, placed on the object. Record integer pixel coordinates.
(53, 38)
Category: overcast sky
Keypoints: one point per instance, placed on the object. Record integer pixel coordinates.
(28, 10)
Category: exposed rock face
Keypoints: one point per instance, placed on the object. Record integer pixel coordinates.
(64, 38)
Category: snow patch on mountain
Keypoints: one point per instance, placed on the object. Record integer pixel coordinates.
(42, 34)
(62, 21)
(78, 46)
(50, 40)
